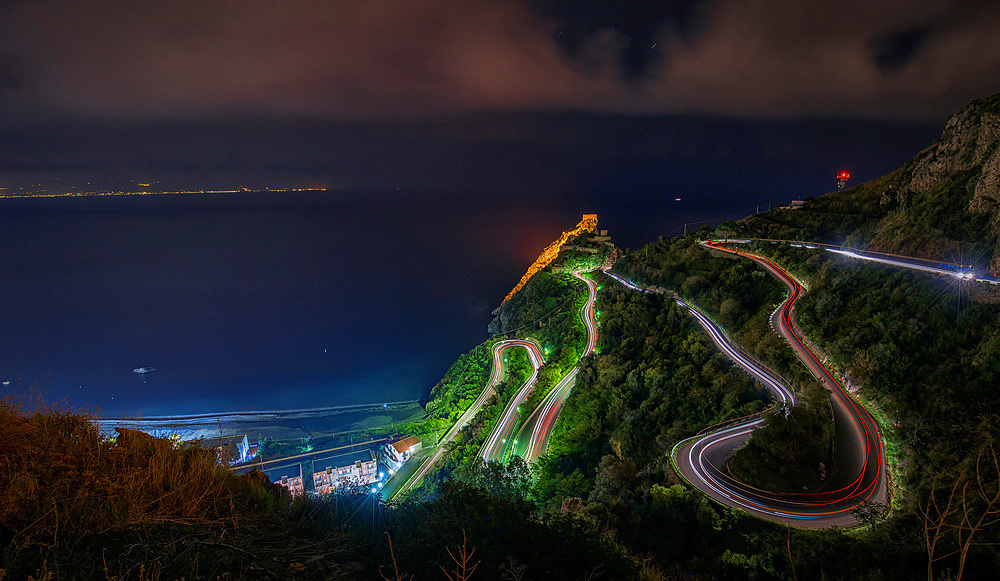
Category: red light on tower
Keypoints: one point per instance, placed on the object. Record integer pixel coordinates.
(842, 178)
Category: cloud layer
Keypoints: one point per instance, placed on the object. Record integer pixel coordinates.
(403, 59)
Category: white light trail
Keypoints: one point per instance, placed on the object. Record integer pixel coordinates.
(772, 383)
(960, 274)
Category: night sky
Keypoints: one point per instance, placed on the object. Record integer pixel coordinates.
(504, 94)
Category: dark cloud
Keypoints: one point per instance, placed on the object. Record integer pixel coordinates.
(13, 73)
(894, 50)
(639, 25)
(343, 59)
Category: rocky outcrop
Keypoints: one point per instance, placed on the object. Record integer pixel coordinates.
(987, 193)
(969, 140)
(898, 197)
(944, 204)
(970, 143)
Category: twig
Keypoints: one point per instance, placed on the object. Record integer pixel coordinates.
(790, 561)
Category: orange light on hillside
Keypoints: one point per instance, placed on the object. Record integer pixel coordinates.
(587, 224)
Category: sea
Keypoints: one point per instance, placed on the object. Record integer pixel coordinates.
(276, 300)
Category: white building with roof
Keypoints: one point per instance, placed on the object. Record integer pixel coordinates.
(402, 450)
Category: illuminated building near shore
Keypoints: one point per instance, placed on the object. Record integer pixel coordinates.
(345, 471)
(402, 450)
(288, 476)
(587, 224)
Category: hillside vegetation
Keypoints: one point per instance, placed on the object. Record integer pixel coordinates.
(943, 204)
(77, 505)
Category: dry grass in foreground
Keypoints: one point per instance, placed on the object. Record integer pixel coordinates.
(76, 504)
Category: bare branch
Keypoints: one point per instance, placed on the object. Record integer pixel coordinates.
(462, 571)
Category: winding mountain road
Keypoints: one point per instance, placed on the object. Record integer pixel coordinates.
(859, 474)
(532, 439)
(496, 375)
(495, 444)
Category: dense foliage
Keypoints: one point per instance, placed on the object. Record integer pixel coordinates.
(792, 449)
(657, 380)
(787, 452)
(926, 359)
(507, 536)
(914, 344)
(546, 309)
(461, 384)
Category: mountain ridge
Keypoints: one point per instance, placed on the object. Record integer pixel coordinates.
(944, 203)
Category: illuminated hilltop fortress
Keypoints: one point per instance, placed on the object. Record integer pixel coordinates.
(587, 224)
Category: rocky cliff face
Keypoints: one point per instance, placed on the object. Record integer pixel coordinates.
(969, 144)
(944, 204)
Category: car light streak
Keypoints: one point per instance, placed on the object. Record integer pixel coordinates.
(607, 270)
(959, 271)
(697, 459)
(537, 429)
(961, 274)
(769, 380)
(494, 445)
(495, 376)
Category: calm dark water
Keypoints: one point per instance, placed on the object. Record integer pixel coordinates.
(272, 300)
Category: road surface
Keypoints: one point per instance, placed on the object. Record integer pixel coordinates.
(860, 470)
(532, 439)
(496, 443)
(965, 272)
(495, 376)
